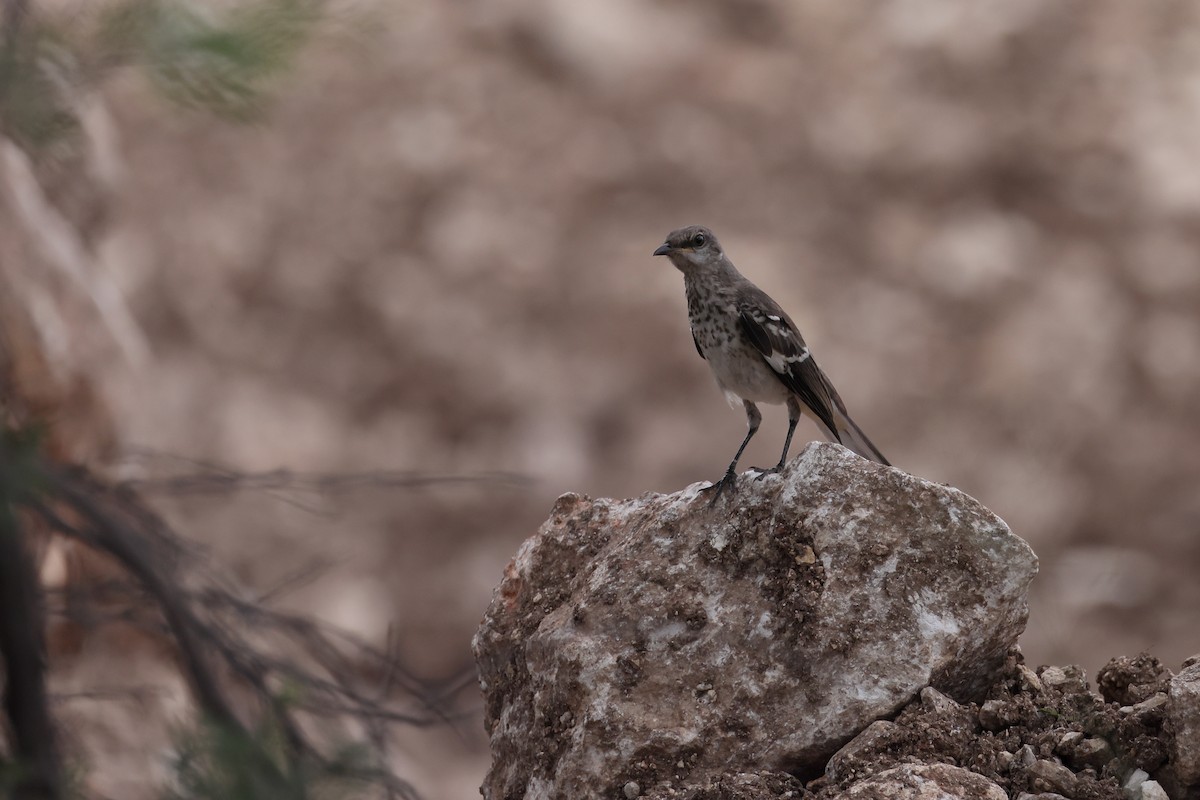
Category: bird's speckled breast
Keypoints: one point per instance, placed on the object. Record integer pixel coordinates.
(739, 368)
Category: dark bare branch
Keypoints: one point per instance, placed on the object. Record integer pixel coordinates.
(136, 553)
(308, 678)
(22, 650)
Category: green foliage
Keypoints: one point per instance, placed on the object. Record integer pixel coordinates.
(200, 59)
(216, 762)
(223, 62)
(10, 775)
(33, 70)
(20, 476)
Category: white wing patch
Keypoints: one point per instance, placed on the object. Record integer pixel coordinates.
(781, 363)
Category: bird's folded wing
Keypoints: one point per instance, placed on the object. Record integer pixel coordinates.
(774, 336)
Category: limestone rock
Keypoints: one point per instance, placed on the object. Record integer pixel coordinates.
(925, 782)
(658, 640)
(1183, 712)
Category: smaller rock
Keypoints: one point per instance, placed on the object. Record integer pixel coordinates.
(1092, 752)
(995, 715)
(1025, 757)
(1052, 776)
(858, 755)
(1066, 745)
(632, 790)
(1149, 712)
(1151, 790)
(1133, 784)
(1030, 678)
(1068, 677)
(921, 781)
(934, 700)
(1053, 676)
(1041, 796)
(1129, 681)
(1191, 661)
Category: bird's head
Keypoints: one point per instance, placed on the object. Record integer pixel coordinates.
(690, 248)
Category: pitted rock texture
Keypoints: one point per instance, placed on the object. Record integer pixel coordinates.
(1183, 710)
(1038, 734)
(925, 782)
(737, 786)
(659, 640)
(1128, 681)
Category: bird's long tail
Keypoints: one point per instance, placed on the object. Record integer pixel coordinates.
(852, 436)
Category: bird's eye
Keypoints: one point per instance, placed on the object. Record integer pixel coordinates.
(699, 239)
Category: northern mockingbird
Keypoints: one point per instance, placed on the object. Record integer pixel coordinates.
(754, 349)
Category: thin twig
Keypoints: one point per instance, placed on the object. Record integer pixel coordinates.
(316, 483)
(304, 576)
(135, 694)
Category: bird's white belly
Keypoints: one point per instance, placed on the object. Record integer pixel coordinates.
(741, 371)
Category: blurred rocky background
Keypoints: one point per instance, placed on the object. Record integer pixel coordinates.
(427, 248)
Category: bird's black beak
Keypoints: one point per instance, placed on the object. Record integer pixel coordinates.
(663, 249)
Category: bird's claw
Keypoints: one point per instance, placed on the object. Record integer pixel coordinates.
(729, 481)
(765, 471)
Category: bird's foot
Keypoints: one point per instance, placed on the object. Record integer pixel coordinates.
(764, 472)
(729, 481)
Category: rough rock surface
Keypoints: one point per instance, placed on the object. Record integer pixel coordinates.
(1129, 681)
(1183, 710)
(659, 641)
(926, 782)
(737, 786)
(1051, 738)
(1039, 734)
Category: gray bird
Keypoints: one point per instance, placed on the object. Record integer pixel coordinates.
(754, 349)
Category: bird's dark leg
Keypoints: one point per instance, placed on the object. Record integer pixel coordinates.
(793, 408)
(753, 419)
